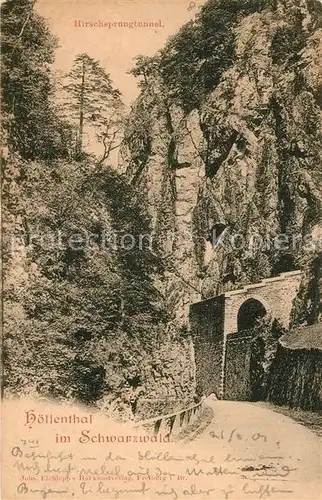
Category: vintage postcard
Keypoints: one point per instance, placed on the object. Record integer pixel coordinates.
(161, 249)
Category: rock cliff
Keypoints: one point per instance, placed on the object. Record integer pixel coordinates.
(224, 140)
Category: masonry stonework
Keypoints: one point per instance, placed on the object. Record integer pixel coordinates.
(237, 385)
(222, 357)
(276, 294)
(207, 327)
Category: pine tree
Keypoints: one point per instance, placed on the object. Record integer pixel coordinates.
(93, 101)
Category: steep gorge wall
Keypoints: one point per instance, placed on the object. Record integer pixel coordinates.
(247, 159)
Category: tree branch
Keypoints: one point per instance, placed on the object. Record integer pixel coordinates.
(27, 19)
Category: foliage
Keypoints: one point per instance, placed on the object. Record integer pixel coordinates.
(31, 124)
(307, 307)
(91, 99)
(81, 317)
(264, 347)
(147, 67)
(193, 60)
(288, 41)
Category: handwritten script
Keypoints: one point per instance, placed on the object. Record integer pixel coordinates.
(224, 461)
(147, 473)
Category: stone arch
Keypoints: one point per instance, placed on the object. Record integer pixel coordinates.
(234, 304)
(250, 311)
(227, 363)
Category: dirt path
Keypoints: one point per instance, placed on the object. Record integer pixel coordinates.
(311, 420)
(258, 453)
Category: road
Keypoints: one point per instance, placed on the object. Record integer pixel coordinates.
(258, 453)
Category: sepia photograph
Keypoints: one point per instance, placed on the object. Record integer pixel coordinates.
(161, 222)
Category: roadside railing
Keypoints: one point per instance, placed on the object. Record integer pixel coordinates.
(172, 423)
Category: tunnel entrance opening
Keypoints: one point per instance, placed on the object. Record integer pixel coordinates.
(249, 313)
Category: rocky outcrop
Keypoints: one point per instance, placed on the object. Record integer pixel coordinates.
(234, 185)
